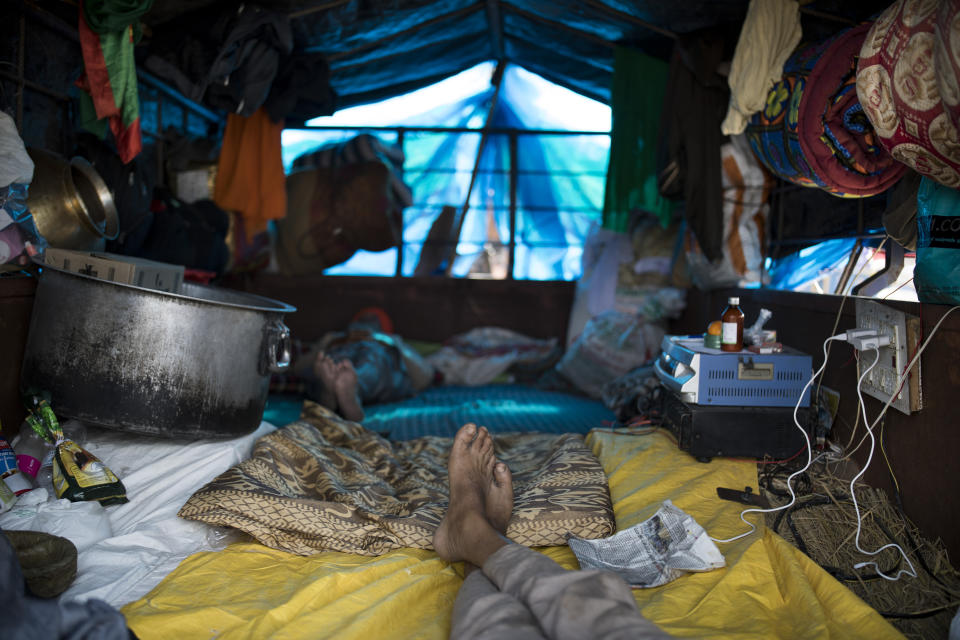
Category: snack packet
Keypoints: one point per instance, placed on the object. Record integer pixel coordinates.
(77, 473)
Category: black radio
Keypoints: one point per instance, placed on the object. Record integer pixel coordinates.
(740, 432)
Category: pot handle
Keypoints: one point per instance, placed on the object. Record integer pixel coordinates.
(277, 348)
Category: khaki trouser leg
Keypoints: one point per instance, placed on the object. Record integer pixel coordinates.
(564, 605)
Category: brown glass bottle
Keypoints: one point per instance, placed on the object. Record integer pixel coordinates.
(731, 330)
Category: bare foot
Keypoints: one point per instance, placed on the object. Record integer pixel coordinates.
(465, 533)
(498, 503)
(326, 369)
(348, 392)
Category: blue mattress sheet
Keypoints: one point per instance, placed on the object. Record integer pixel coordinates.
(440, 411)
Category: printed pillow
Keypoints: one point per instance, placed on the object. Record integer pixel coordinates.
(324, 483)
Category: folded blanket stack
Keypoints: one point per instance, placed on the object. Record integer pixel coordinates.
(907, 80)
(813, 130)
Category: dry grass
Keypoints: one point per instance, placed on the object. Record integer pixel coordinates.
(823, 524)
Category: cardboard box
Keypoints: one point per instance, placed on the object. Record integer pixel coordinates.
(116, 268)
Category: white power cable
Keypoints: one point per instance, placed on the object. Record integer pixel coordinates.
(806, 438)
(900, 381)
(853, 496)
(906, 371)
(903, 375)
(793, 497)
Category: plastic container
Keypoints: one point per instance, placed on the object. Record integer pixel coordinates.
(13, 480)
(32, 449)
(731, 330)
(7, 497)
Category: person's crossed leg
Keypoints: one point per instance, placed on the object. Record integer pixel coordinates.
(479, 485)
(340, 390)
(519, 593)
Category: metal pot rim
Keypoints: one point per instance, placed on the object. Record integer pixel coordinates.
(257, 303)
(110, 227)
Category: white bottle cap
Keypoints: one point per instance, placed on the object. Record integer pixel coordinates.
(735, 301)
(18, 483)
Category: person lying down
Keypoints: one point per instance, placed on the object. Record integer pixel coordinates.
(512, 592)
(364, 365)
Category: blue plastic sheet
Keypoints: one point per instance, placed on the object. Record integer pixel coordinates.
(560, 183)
(795, 270)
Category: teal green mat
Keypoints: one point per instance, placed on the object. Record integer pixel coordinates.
(440, 411)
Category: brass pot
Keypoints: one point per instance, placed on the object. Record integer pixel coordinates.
(71, 205)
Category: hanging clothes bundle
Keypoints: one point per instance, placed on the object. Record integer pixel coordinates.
(361, 148)
(813, 130)
(907, 80)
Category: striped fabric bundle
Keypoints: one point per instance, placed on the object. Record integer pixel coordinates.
(746, 193)
(358, 149)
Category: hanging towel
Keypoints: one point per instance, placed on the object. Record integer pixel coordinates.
(109, 80)
(250, 177)
(639, 84)
(770, 33)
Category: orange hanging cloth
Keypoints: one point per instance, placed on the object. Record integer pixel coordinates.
(250, 178)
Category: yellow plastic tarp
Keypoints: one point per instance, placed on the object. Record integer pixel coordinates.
(768, 589)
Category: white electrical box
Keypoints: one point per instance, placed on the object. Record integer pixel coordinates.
(904, 333)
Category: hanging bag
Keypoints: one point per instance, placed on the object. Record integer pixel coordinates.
(937, 274)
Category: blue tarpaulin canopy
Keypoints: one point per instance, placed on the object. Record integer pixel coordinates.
(560, 181)
(378, 50)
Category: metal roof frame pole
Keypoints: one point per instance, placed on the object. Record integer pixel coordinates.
(892, 267)
(497, 81)
(514, 177)
(159, 148)
(399, 270)
(852, 259)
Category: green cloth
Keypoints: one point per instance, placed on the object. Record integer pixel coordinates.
(110, 74)
(111, 16)
(639, 85)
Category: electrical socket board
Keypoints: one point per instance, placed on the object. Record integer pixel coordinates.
(904, 333)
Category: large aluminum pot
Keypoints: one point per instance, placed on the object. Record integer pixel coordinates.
(71, 205)
(189, 365)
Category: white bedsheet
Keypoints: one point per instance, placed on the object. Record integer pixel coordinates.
(125, 550)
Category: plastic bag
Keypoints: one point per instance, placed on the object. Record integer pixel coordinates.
(654, 552)
(611, 344)
(83, 523)
(623, 395)
(77, 474)
(19, 237)
(15, 163)
(482, 354)
(937, 272)
(746, 187)
(603, 253)
(636, 272)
